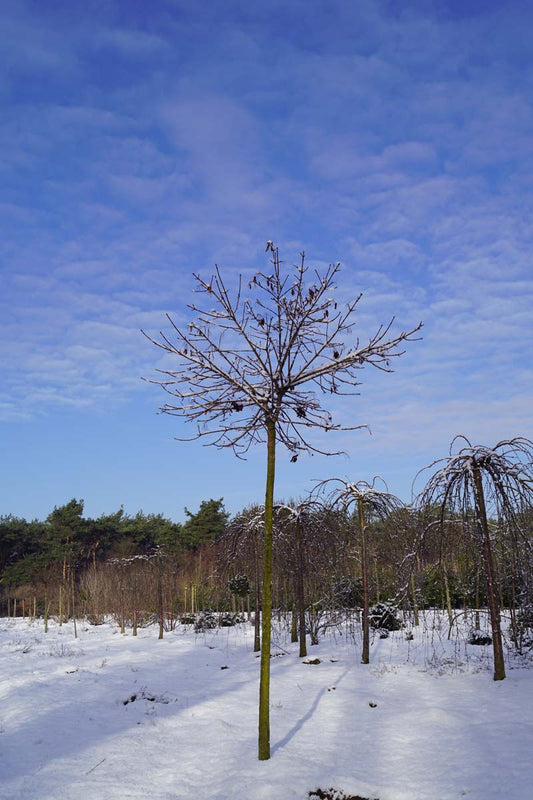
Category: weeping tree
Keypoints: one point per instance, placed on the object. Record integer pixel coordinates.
(303, 533)
(240, 544)
(364, 500)
(251, 367)
(478, 482)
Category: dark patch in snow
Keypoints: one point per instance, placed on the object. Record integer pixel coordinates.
(480, 638)
(144, 695)
(335, 794)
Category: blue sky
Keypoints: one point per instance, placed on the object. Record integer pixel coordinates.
(143, 141)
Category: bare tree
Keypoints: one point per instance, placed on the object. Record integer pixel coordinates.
(367, 499)
(250, 370)
(481, 479)
(241, 544)
(302, 530)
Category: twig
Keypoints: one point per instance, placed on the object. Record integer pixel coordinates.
(93, 768)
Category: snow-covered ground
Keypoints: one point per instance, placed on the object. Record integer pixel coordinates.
(109, 716)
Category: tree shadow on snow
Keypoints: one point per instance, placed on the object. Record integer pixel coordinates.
(301, 722)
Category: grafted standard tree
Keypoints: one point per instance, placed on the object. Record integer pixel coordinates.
(242, 538)
(250, 369)
(299, 523)
(477, 479)
(366, 498)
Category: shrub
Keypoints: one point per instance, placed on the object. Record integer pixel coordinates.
(206, 621)
(334, 794)
(478, 637)
(384, 616)
(228, 620)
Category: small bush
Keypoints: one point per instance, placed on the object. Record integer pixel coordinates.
(205, 622)
(62, 651)
(384, 616)
(228, 620)
(478, 637)
(334, 794)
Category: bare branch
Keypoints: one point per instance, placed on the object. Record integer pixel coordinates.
(244, 361)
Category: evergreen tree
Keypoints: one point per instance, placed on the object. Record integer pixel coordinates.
(207, 525)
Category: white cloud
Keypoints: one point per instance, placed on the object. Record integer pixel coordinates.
(133, 43)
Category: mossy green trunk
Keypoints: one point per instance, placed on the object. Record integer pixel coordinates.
(266, 622)
(257, 616)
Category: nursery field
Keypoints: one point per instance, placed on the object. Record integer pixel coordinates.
(107, 716)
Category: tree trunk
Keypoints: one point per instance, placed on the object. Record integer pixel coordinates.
(499, 667)
(160, 612)
(447, 593)
(294, 622)
(300, 590)
(264, 681)
(376, 577)
(73, 606)
(134, 593)
(364, 573)
(477, 601)
(415, 601)
(257, 599)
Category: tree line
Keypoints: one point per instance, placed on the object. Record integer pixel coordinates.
(326, 557)
(40, 552)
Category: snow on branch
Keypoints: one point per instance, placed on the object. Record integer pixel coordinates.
(268, 355)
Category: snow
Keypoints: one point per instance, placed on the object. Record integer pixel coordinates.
(115, 717)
